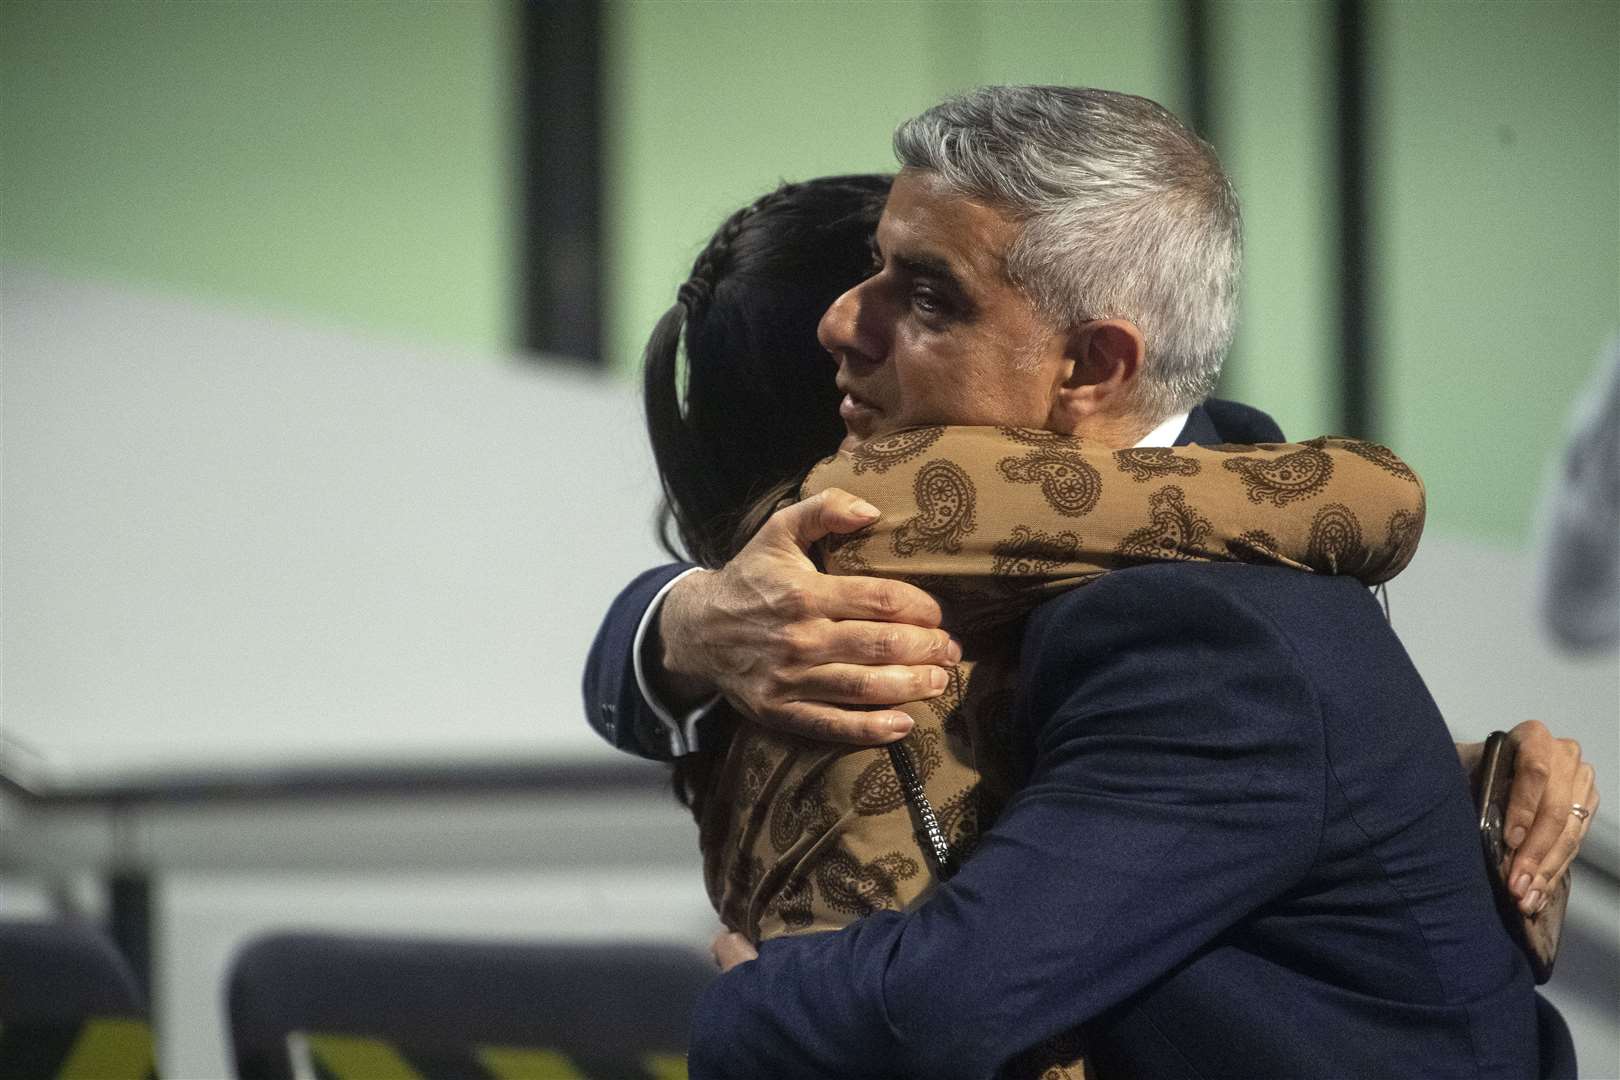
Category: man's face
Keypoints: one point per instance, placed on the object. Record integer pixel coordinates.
(938, 334)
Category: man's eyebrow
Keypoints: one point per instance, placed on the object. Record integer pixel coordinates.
(931, 266)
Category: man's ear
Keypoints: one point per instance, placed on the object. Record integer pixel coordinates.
(1105, 359)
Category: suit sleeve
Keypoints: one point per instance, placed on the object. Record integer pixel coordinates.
(613, 702)
(1176, 786)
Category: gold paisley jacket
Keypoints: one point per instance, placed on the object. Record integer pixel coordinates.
(799, 836)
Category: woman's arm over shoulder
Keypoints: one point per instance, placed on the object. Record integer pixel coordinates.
(1012, 508)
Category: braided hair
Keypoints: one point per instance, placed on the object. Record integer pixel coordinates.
(755, 405)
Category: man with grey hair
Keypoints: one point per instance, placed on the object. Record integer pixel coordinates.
(1124, 213)
(1115, 241)
(1113, 261)
(1242, 847)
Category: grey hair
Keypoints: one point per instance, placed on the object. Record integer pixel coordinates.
(1124, 214)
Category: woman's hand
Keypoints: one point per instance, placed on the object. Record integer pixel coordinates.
(730, 949)
(1545, 825)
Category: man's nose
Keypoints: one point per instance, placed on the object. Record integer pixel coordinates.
(846, 328)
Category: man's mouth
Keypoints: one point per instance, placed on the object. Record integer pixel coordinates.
(858, 413)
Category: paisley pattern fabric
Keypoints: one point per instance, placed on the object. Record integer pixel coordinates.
(1155, 462)
(1283, 479)
(800, 837)
(1175, 531)
(1070, 483)
(945, 498)
(880, 454)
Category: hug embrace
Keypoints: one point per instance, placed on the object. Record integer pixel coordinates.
(1032, 704)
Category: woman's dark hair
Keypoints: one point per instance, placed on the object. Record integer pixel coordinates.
(754, 405)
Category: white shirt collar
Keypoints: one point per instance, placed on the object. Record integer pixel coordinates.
(1166, 433)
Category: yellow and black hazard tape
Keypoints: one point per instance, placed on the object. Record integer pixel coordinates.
(328, 1056)
(120, 1048)
(101, 1048)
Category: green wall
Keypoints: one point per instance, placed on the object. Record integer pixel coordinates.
(713, 104)
(1497, 251)
(353, 163)
(344, 161)
(1273, 97)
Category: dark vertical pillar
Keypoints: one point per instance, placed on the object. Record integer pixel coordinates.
(1356, 347)
(1199, 66)
(560, 176)
(129, 918)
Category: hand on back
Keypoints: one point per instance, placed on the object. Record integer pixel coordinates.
(801, 651)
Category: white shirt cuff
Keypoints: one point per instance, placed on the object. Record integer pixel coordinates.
(682, 731)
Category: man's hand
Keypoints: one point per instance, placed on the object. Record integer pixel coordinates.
(1543, 829)
(730, 949)
(801, 651)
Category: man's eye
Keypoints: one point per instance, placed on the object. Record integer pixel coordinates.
(928, 302)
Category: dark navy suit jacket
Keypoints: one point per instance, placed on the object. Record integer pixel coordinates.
(1244, 849)
(613, 701)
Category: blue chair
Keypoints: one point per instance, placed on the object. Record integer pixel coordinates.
(69, 1006)
(348, 1007)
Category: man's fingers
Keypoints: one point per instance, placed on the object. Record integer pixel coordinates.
(824, 513)
(855, 641)
(878, 600)
(834, 510)
(828, 723)
(863, 684)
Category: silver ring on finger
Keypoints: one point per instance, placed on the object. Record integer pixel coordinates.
(1579, 811)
